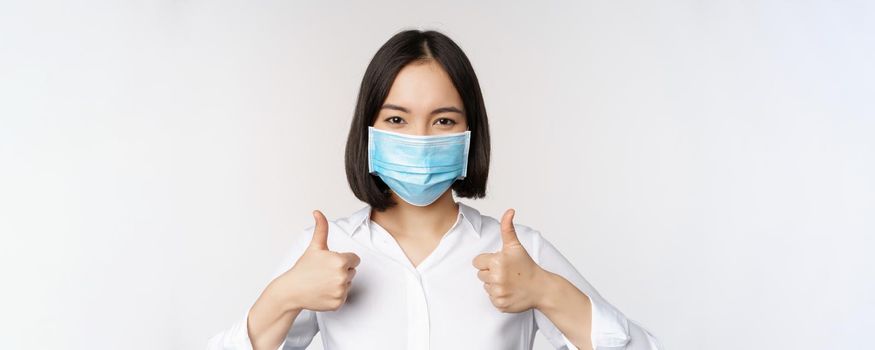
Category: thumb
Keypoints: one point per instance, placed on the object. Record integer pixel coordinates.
(320, 234)
(508, 234)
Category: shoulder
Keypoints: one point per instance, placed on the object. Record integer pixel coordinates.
(491, 224)
(350, 223)
(530, 237)
(338, 224)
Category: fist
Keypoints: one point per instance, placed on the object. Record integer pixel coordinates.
(320, 279)
(510, 277)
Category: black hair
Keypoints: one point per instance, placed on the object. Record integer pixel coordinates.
(401, 49)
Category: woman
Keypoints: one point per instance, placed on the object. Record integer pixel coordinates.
(415, 269)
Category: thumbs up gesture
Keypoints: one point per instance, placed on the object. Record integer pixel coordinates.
(320, 279)
(511, 278)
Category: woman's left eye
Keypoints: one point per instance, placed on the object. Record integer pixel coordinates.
(450, 121)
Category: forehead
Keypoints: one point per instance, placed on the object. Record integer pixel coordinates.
(423, 85)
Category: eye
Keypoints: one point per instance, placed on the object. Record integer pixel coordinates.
(447, 121)
(394, 120)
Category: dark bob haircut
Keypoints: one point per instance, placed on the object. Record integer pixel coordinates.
(403, 48)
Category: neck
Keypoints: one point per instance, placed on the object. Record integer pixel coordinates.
(405, 219)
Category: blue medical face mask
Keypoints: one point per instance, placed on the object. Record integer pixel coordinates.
(418, 168)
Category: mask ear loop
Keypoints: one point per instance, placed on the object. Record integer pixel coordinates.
(467, 155)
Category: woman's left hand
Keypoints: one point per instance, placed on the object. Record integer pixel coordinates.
(514, 282)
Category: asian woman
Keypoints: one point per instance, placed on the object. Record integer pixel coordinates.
(415, 268)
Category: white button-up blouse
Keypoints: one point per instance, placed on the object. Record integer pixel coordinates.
(439, 304)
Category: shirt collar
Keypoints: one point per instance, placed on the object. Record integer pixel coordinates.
(354, 222)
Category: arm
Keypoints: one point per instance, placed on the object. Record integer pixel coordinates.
(297, 333)
(268, 324)
(563, 316)
(559, 296)
(568, 309)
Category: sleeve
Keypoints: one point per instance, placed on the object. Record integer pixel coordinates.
(303, 329)
(611, 330)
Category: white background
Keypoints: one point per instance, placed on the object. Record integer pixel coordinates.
(709, 166)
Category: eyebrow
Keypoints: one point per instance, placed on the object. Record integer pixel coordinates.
(436, 111)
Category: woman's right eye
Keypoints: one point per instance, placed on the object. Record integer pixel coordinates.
(394, 120)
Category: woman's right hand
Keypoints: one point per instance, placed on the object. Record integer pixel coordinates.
(320, 279)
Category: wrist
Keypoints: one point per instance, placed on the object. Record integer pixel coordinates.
(549, 290)
(281, 300)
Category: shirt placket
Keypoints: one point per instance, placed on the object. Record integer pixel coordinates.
(418, 331)
(417, 313)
